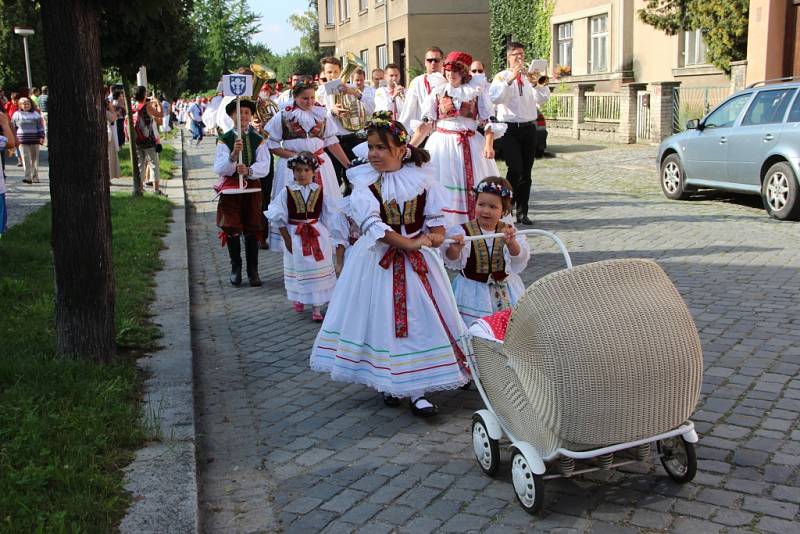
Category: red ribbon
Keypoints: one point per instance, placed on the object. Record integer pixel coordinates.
(396, 258)
(223, 238)
(469, 177)
(308, 237)
(427, 84)
(320, 160)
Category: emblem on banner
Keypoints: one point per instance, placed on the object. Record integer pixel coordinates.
(238, 85)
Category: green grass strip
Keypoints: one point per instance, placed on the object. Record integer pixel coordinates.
(67, 427)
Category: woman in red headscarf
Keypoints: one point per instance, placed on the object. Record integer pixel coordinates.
(463, 157)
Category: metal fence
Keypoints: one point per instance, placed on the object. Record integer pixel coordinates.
(560, 106)
(602, 107)
(695, 103)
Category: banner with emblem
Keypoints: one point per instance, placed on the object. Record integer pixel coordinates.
(237, 85)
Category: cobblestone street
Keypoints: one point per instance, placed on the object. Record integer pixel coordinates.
(282, 447)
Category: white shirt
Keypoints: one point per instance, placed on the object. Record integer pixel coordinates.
(510, 105)
(223, 166)
(384, 101)
(416, 95)
(196, 112)
(326, 97)
(368, 99)
(285, 99)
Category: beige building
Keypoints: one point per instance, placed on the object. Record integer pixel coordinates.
(399, 31)
(604, 42)
(773, 39)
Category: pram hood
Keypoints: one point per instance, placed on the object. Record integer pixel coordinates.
(599, 354)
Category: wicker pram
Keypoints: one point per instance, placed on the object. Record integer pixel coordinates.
(596, 359)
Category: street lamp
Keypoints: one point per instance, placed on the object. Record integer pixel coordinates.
(25, 33)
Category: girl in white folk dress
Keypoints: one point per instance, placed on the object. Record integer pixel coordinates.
(304, 125)
(489, 268)
(392, 323)
(462, 156)
(304, 215)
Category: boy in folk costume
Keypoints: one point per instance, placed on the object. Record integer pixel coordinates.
(305, 215)
(489, 279)
(239, 210)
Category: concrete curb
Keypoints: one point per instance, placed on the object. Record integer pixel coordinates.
(163, 476)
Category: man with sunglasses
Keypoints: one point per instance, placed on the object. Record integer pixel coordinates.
(421, 86)
(517, 103)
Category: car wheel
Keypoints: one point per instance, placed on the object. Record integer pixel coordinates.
(673, 179)
(779, 192)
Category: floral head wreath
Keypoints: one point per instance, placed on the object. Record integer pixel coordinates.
(303, 84)
(382, 120)
(494, 189)
(307, 160)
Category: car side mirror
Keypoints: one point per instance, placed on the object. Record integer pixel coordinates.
(693, 124)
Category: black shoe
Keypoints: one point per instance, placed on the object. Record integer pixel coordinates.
(251, 256)
(525, 220)
(519, 216)
(390, 401)
(235, 253)
(423, 412)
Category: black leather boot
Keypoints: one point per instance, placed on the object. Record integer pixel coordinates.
(235, 252)
(251, 255)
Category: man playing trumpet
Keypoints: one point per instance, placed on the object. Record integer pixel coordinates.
(517, 104)
(392, 97)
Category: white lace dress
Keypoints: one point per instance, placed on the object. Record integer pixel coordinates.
(457, 128)
(308, 278)
(313, 141)
(478, 299)
(401, 337)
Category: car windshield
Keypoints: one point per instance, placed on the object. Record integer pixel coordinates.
(725, 115)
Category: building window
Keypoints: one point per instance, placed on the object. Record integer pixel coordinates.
(564, 58)
(382, 59)
(330, 13)
(344, 10)
(365, 58)
(598, 46)
(694, 48)
(362, 5)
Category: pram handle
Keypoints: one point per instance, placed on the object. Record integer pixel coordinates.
(530, 231)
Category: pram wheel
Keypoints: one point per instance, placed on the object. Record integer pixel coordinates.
(528, 486)
(487, 450)
(678, 458)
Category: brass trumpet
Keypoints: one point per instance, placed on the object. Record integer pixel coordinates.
(265, 108)
(354, 116)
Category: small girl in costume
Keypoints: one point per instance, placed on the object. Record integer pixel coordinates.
(489, 280)
(304, 213)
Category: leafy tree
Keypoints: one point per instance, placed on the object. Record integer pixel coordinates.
(722, 22)
(524, 21)
(296, 62)
(308, 25)
(12, 67)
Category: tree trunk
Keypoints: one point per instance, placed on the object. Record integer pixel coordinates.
(137, 177)
(79, 181)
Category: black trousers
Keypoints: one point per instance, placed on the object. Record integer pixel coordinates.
(347, 142)
(519, 151)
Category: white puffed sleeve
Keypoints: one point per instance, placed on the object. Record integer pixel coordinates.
(366, 212)
(274, 130)
(517, 264)
(335, 221)
(430, 107)
(485, 108)
(278, 211)
(435, 202)
(541, 94)
(223, 166)
(461, 262)
(260, 168)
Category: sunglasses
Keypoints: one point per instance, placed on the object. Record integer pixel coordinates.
(477, 71)
(433, 59)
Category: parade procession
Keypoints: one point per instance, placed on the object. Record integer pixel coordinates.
(372, 266)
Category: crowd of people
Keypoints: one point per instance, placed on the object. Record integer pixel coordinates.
(376, 190)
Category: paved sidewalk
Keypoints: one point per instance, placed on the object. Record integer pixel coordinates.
(280, 442)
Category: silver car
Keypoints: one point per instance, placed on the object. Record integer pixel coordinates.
(749, 144)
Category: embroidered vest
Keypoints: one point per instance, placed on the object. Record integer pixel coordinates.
(293, 130)
(480, 264)
(303, 210)
(412, 217)
(251, 142)
(447, 109)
